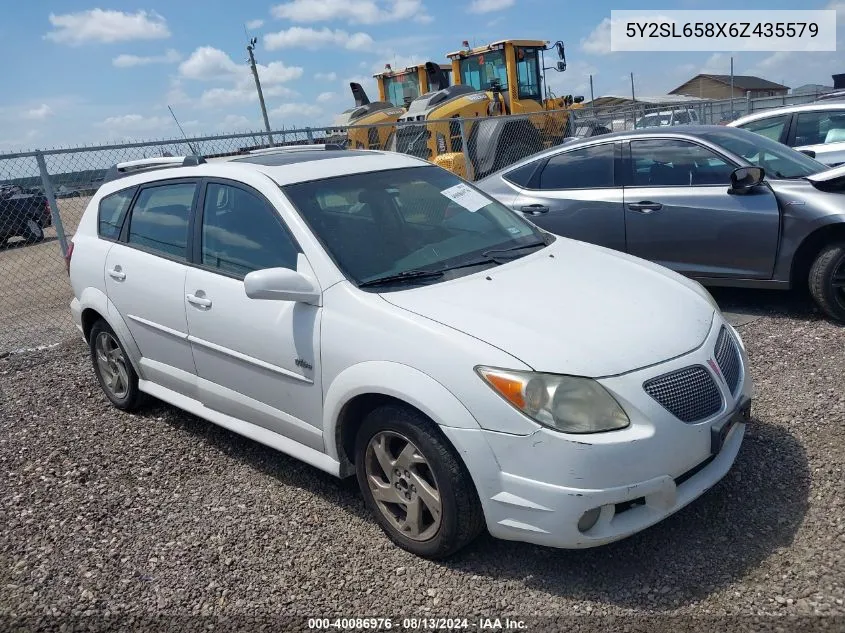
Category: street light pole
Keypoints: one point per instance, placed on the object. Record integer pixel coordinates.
(250, 48)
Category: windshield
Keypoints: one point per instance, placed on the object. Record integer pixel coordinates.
(779, 161)
(479, 71)
(399, 88)
(385, 223)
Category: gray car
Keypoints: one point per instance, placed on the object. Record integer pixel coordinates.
(722, 205)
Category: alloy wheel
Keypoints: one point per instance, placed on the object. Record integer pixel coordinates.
(403, 485)
(112, 365)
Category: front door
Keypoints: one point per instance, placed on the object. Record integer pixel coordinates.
(256, 360)
(145, 282)
(678, 213)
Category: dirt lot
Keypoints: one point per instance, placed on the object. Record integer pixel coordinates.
(161, 514)
(34, 286)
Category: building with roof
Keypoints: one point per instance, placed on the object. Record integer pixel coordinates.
(812, 89)
(706, 86)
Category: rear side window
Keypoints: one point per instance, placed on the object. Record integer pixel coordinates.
(159, 220)
(771, 127)
(112, 212)
(585, 168)
(521, 175)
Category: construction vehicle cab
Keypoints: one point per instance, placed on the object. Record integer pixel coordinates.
(371, 124)
(400, 87)
(493, 86)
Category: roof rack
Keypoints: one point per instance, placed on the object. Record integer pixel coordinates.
(127, 168)
(296, 148)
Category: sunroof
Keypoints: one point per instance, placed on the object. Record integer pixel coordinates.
(304, 156)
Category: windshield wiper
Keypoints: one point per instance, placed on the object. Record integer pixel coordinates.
(406, 275)
(514, 248)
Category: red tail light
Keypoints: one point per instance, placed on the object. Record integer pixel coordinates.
(68, 256)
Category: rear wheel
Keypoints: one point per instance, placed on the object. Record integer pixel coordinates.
(115, 373)
(414, 483)
(827, 281)
(33, 232)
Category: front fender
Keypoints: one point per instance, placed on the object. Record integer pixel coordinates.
(95, 299)
(398, 381)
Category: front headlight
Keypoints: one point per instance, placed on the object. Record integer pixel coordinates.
(569, 404)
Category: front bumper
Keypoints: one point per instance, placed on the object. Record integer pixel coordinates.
(536, 488)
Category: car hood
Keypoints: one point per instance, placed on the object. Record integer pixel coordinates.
(572, 308)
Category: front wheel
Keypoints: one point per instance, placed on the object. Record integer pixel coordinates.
(827, 281)
(414, 483)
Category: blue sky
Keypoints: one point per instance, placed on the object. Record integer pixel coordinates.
(81, 72)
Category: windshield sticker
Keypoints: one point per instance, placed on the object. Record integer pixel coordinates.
(514, 230)
(468, 198)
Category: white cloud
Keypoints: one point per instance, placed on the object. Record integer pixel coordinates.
(332, 76)
(353, 11)
(106, 26)
(211, 64)
(717, 64)
(127, 61)
(313, 39)
(489, 6)
(296, 108)
(135, 123)
(39, 113)
(237, 122)
(598, 41)
(255, 24)
(326, 96)
(243, 93)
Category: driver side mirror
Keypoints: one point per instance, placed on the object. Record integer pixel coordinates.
(744, 179)
(281, 284)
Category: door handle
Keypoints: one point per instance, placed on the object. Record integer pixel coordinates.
(534, 209)
(200, 302)
(116, 273)
(646, 206)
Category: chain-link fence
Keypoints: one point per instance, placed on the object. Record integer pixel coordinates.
(44, 193)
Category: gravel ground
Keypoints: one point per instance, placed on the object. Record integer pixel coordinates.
(162, 515)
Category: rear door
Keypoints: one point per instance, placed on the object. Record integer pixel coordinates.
(145, 280)
(678, 212)
(575, 194)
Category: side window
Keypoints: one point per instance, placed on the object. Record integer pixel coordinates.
(771, 127)
(818, 128)
(585, 168)
(159, 220)
(667, 163)
(241, 233)
(526, 72)
(112, 212)
(521, 175)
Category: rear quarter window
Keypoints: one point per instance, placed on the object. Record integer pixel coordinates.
(112, 213)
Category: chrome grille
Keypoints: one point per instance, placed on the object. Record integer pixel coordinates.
(727, 357)
(690, 394)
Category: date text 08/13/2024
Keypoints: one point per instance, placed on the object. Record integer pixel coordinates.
(415, 624)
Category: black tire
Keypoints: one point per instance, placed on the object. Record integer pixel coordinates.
(133, 398)
(33, 232)
(827, 281)
(461, 517)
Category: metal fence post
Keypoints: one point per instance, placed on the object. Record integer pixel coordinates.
(465, 148)
(310, 134)
(51, 200)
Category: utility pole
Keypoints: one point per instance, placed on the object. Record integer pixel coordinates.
(250, 48)
(732, 87)
(633, 96)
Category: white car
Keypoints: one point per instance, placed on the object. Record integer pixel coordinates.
(376, 316)
(667, 118)
(817, 129)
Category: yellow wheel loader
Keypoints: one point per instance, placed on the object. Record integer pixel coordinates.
(367, 125)
(493, 84)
